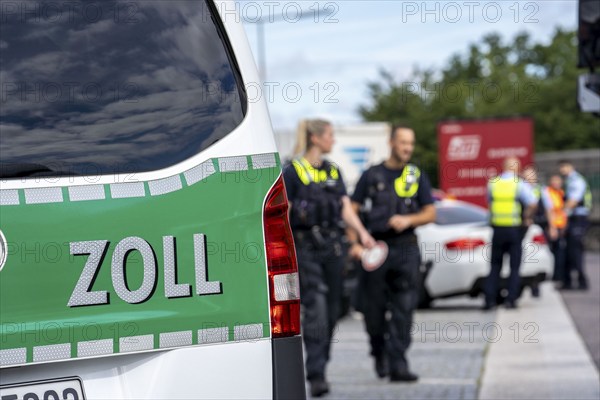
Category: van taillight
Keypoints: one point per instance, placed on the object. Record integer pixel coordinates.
(284, 284)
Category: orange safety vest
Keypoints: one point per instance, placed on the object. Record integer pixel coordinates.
(557, 213)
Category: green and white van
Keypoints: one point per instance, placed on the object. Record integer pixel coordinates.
(145, 250)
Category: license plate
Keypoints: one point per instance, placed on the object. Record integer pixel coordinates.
(59, 389)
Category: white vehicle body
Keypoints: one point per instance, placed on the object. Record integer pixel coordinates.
(241, 367)
(208, 373)
(455, 271)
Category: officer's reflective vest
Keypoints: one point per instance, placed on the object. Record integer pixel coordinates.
(587, 197)
(505, 208)
(558, 215)
(318, 201)
(383, 201)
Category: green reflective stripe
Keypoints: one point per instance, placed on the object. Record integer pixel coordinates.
(122, 190)
(13, 356)
(36, 322)
(505, 209)
(261, 161)
(407, 184)
(9, 197)
(95, 348)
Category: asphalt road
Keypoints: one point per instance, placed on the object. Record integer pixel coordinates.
(448, 351)
(584, 307)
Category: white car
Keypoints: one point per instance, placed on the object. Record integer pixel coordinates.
(456, 250)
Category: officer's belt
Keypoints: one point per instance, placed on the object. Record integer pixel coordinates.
(394, 238)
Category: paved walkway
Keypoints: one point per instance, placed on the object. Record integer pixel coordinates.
(461, 352)
(547, 360)
(584, 307)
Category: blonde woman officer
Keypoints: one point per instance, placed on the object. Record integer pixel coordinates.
(320, 209)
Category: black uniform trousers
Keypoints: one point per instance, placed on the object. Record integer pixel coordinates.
(393, 287)
(504, 240)
(558, 249)
(321, 268)
(535, 286)
(576, 228)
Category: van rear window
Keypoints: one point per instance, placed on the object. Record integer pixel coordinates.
(103, 87)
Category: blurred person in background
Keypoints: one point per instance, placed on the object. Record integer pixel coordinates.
(395, 197)
(553, 198)
(578, 203)
(507, 195)
(530, 176)
(319, 210)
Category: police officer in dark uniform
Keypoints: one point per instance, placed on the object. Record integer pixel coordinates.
(319, 211)
(578, 203)
(395, 198)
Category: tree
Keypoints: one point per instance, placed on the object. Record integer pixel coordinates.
(492, 79)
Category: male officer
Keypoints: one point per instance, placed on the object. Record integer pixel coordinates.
(506, 195)
(395, 197)
(578, 202)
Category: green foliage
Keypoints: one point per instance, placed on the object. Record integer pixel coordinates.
(492, 79)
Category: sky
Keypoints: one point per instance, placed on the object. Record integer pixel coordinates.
(319, 65)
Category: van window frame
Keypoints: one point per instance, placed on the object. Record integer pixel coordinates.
(31, 168)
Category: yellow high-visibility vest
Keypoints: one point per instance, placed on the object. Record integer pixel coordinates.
(308, 174)
(505, 208)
